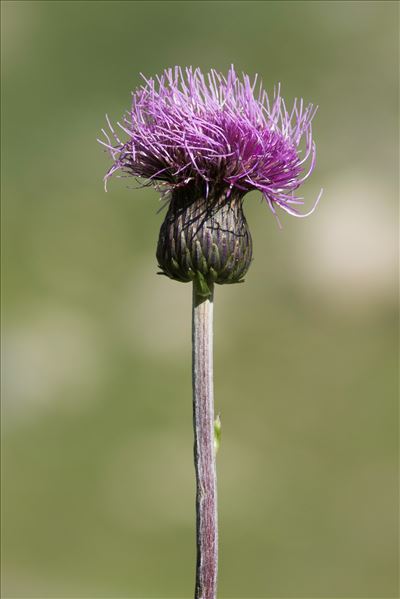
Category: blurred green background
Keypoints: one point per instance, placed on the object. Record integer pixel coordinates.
(98, 481)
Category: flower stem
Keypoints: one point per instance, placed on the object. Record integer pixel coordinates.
(204, 451)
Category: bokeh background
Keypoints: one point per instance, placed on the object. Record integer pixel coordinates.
(98, 481)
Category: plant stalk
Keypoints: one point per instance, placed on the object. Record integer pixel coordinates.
(204, 451)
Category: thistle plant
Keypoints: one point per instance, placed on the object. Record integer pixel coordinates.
(204, 141)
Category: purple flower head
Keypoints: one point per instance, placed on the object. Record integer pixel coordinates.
(219, 134)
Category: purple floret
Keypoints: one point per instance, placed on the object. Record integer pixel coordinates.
(218, 133)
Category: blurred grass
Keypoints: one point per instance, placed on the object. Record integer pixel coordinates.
(98, 483)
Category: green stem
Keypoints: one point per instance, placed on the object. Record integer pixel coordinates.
(204, 451)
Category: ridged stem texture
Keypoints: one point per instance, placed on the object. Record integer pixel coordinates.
(204, 451)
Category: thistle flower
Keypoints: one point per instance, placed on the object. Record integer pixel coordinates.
(206, 141)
